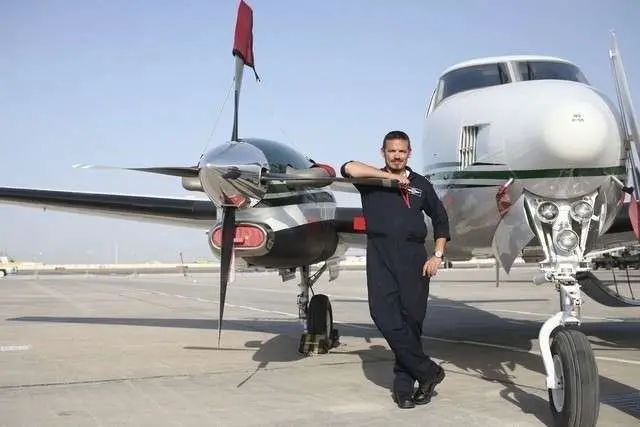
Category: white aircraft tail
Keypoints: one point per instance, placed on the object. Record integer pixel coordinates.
(632, 136)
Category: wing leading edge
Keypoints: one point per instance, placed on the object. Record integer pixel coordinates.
(167, 210)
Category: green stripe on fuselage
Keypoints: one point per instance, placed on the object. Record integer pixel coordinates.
(528, 174)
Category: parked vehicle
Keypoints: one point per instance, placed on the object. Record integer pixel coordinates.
(7, 266)
(624, 259)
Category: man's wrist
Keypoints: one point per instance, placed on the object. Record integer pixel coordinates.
(438, 254)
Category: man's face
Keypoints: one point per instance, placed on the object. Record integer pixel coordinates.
(396, 154)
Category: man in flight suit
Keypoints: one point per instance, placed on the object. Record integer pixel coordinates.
(398, 266)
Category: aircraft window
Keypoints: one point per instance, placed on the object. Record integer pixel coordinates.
(280, 155)
(431, 101)
(550, 70)
(473, 77)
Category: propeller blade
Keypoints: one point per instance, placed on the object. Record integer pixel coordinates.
(180, 171)
(228, 234)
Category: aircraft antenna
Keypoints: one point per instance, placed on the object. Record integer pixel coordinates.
(217, 120)
(276, 117)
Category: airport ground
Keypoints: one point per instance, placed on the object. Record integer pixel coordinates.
(141, 350)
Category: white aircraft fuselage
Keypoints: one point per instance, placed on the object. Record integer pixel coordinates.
(532, 119)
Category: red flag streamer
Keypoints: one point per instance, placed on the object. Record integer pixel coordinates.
(243, 41)
(502, 198)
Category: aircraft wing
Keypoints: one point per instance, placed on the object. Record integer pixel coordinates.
(201, 213)
(186, 212)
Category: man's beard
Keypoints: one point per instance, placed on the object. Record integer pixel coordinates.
(392, 169)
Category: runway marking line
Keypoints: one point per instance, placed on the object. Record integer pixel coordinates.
(373, 328)
(449, 306)
(7, 348)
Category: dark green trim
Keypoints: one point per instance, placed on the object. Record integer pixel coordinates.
(456, 164)
(529, 174)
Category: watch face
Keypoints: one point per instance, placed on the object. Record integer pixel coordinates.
(438, 254)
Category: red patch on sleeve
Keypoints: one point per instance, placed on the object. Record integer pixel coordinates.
(359, 223)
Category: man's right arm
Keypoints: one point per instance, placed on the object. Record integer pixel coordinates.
(355, 169)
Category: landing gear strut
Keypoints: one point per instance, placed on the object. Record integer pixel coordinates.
(316, 317)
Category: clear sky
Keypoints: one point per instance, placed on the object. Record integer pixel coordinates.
(140, 83)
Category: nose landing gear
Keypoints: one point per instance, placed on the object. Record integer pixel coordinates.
(316, 316)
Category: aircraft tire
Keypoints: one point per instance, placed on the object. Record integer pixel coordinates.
(320, 321)
(577, 402)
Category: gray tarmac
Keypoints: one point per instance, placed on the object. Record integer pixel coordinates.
(142, 351)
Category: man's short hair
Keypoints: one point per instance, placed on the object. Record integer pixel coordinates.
(396, 134)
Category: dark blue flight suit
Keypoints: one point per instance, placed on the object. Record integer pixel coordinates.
(397, 290)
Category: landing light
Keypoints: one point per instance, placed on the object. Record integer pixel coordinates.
(581, 210)
(547, 211)
(567, 240)
(247, 237)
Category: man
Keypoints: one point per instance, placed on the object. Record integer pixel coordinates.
(398, 267)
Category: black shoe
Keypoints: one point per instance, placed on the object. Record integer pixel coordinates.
(425, 390)
(403, 401)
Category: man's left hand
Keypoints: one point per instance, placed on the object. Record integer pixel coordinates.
(430, 267)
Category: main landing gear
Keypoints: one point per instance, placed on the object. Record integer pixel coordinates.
(316, 316)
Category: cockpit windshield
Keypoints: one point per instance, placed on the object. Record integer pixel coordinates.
(473, 77)
(279, 156)
(549, 70)
(482, 75)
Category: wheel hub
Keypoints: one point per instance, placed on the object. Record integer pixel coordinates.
(558, 392)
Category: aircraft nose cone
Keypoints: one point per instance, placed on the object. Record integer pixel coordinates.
(576, 132)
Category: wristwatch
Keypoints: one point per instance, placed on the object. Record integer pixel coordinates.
(438, 254)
